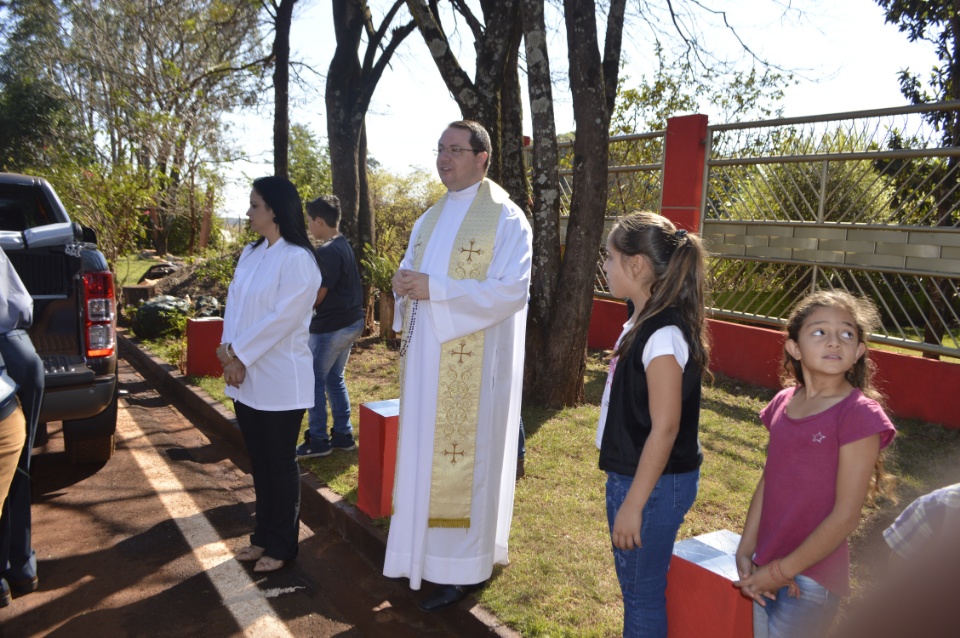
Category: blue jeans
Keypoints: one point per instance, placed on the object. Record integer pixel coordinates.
(330, 352)
(18, 561)
(642, 572)
(787, 617)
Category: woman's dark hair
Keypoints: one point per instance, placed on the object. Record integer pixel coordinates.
(282, 198)
(678, 260)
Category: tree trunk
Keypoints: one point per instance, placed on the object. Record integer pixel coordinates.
(281, 88)
(207, 223)
(386, 315)
(367, 230)
(481, 99)
(513, 167)
(546, 191)
(366, 224)
(558, 382)
(350, 86)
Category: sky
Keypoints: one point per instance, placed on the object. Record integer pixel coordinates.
(842, 53)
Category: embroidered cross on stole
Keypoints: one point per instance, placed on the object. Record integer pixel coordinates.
(461, 361)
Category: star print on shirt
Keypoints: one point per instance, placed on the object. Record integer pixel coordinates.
(818, 437)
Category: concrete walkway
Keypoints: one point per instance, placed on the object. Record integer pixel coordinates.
(319, 505)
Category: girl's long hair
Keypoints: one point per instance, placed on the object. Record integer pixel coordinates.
(867, 320)
(865, 317)
(281, 196)
(679, 265)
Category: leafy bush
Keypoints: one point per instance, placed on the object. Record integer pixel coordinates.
(217, 270)
(163, 316)
(379, 268)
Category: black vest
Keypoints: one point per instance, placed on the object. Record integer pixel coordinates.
(628, 414)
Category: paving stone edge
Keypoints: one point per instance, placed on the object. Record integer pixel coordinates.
(316, 501)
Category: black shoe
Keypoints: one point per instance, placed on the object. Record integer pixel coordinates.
(310, 450)
(4, 593)
(445, 595)
(25, 586)
(343, 442)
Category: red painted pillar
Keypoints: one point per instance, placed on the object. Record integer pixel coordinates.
(203, 337)
(701, 598)
(684, 158)
(378, 457)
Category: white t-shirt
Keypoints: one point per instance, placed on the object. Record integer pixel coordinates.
(665, 341)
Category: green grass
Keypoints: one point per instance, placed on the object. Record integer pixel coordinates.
(561, 580)
(129, 268)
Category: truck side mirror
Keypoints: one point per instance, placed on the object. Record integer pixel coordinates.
(89, 235)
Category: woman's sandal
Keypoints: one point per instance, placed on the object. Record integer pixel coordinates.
(250, 553)
(268, 564)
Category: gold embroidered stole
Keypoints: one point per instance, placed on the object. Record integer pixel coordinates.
(461, 361)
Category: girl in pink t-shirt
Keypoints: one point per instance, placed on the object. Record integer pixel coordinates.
(823, 462)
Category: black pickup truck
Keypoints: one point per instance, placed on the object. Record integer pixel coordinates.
(74, 313)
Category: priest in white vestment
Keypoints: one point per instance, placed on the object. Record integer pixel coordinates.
(462, 292)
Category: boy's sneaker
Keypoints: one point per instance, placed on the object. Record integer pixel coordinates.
(343, 442)
(313, 449)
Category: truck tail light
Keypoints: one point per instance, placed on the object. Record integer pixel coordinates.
(100, 318)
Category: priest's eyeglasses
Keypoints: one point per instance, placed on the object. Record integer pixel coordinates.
(453, 151)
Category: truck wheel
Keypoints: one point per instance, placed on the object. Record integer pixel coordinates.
(91, 440)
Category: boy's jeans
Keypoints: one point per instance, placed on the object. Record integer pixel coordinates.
(330, 352)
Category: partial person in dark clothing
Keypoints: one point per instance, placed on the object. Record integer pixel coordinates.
(18, 562)
(337, 323)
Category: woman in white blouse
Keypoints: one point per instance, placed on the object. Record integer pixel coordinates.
(267, 363)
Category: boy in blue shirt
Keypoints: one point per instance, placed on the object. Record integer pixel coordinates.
(338, 320)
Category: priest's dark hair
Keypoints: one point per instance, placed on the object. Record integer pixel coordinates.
(479, 138)
(282, 198)
(678, 260)
(327, 208)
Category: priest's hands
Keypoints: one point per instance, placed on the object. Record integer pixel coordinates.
(412, 284)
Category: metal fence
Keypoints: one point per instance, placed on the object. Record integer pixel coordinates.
(867, 202)
(864, 201)
(635, 182)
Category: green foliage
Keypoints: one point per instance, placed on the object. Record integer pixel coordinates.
(676, 88)
(309, 164)
(924, 188)
(36, 128)
(398, 201)
(217, 270)
(150, 87)
(379, 268)
(936, 23)
(112, 200)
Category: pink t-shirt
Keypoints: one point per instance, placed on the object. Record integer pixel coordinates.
(800, 477)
